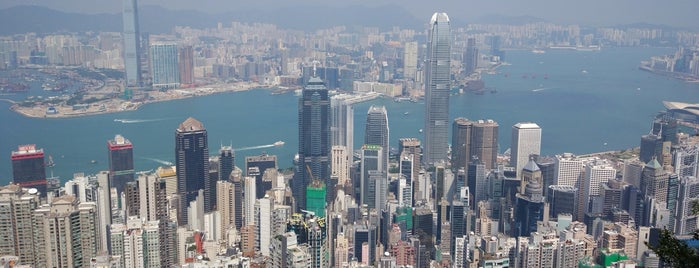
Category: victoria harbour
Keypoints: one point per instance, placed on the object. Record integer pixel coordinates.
(585, 102)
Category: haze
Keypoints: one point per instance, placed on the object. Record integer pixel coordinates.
(679, 13)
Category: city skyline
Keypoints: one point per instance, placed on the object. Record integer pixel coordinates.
(675, 13)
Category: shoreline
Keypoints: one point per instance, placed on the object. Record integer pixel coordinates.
(116, 105)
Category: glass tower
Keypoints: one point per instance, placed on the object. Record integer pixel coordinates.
(437, 86)
(192, 160)
(132, 44)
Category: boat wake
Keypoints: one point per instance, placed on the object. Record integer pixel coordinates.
(541, 88)
(256, 147)
(135, 121)
(160, 161)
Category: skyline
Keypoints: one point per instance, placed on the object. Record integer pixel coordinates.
(677, 13)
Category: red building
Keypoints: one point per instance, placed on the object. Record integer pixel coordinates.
(28, 168)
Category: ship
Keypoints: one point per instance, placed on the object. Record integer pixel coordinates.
(278, 143)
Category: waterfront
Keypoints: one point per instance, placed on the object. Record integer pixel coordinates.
(591, 101)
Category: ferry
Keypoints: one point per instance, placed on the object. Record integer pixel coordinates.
(278, 143)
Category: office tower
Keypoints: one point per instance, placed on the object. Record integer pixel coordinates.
(562, 199)
(28, 168)
(340, 164)
(673, 188)
(569, 168)
(341, 250)
(225, 200)
(239, 202)
(458, 222)
(651, 146)
(226, 162)
(687, 222)
(186, 65)
(192, 160)
(596, 173)
(410, 60)
(376, 132)
(371, 164)
(164, 66)
(69, 237)
(121, 168)
(666, 129)
(263, 226)
(470, 60)
(654, 181)
(314, 139)
(132, 44)
(17, 205)
(132, 200)
(405, 181)
(342, 123)
(526, 141)
(365, 234)
(411, 146)
(686, 157)
(461, 143)
(632, 172)
(495, 48)
(437, 87)
(249, 202)
(476, 182)
(256, 166)
(423, 229)
(529, 208)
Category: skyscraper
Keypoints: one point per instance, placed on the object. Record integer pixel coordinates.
(437, 86)
(474, 139)
(226, 162)
(526, 140)
(121, 168)
(470, 60)
(132, 44)
(28, 168)
(314, 139)
(410, 60)
(17, 205)
(371, 167)
(186, 64)
(164, 65)
(256, 166)
(342, 123)
(192, 160)
(376, 131)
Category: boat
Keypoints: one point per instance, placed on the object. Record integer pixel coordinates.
(538, 51)
(420, 130)
(93, 161)
(278, 143)
(406, 113)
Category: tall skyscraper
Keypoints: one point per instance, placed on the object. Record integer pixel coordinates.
(132, 44)
(192, 160)
(342, 123)
(186, 64)
(376, 131)
(470, 60)
(314, 139)
(371, 168)
(121, 168)
(226, 162)
(437, 87)
(28, 168)
(410, 60)
(340, 164)
(17, 205)
(529, 208)
(256, 166)
(526, 140)
(164, 65)
(474, 139)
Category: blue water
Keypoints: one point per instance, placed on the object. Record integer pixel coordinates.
(611, 103)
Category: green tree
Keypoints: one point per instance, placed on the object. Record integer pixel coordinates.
(674, 252)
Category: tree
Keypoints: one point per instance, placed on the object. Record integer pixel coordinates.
(674, 252)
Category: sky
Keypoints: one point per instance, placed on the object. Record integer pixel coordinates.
(679, 13)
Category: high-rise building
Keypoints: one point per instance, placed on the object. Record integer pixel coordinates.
(132, 44)
(470, 59)
(239, 202)
(192, 160)
(461, 143)
(651, 146)
(342, 123)
(365, 234)
(371, 164)
(121, 168)
(256, 166)
(315, 198)
(562, 199)
(314, 139)
(164, 66)
(376, 132)
(29, 168)
(137, 243)
(263, 224)
(69, 237)
(411, 146)
(437, 87)
(654, 181)
(410, 60)
(529, 208)
(17, 204)
(526, 141)
(186, 65)
(226, 162)
(249, 202)
(687, 222)
(340, 164)
(484, 142)
(225, 201)
(596, 173)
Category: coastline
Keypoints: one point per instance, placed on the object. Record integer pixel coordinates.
(116, 105)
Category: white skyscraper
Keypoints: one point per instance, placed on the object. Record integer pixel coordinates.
(437, 87)
(249, 201)
(526, 140)
(410, 60)
(340, 164)
(263, 224)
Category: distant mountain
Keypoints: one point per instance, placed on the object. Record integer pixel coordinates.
(156, 19)
(507, 20)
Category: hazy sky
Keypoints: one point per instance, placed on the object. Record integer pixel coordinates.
(684, 13)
